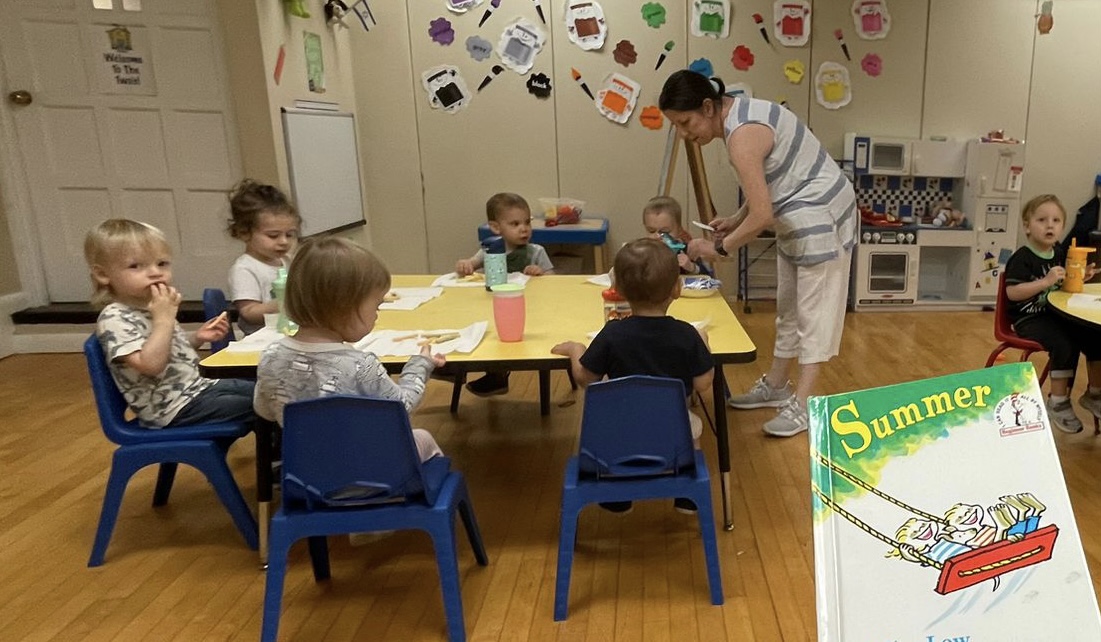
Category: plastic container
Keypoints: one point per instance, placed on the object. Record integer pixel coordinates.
(1077, 258)
(279, 291)
(496, 262)
(561, 211)
(509, 311)
(615, 306)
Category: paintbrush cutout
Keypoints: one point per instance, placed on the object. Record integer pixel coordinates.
(493, 4)
(577, 77)
(760, 25)
(490, 76)
(539, 10)
(668, 48)
(844, 47)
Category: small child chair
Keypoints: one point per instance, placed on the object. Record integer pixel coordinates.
(1004, 332)
(350, 465)
(202, 446)
(636, 443)
(214, 303)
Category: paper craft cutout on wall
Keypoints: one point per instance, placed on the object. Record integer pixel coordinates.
(315, 64)
(478, 47)
(625, 53)
(363, 12)
(872, 64)
(296, 8)
(794, 70)
(832, 87)
(742, 58)
(654, 14)
(446, 88)
(539, 11)
(1045, 21)
(664, 53)
(841, 40)
(520, 42)
(791, 22)
(871, 18)
(759, 21)
(493, 73)
(702, 66)
(441, 32)
(539, 85)
(335, 10)
(279, 61)
(576, 75)
(585, 25)
(462, 6)
(493, 4)
(710, 18)
(651, 118)
(616, 99)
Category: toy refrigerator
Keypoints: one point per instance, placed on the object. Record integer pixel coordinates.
(991, 199)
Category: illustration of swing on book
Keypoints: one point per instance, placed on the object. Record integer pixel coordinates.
(962, 545)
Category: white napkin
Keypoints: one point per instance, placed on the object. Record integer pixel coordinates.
(699, 325)
(603, 280)
(406, 343)
(410, 298)
(255, 342)
(1084, 301)
(453, 280)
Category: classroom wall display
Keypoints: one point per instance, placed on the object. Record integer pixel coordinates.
(616, 99)
(791, 22)
(585, 24)
(520, 42)
(323, 164)
(871, 19)
(479, 48)
(832, 87)
(653, 14)
(441, 32)
(949, 492)
(446, 88)
(462, 6)
(710, 18)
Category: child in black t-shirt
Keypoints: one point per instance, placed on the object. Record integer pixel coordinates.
(649, 342)
(1034, 270)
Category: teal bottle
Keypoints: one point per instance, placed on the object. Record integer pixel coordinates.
(279, 291)
(496, 261)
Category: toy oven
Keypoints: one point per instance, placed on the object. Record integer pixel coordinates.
(885, 275)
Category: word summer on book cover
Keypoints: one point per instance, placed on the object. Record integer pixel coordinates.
(940, 513)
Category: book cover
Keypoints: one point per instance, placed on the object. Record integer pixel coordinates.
(941, 514)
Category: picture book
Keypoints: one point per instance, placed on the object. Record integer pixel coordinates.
(940, 513)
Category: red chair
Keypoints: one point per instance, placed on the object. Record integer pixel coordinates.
(1003, 331)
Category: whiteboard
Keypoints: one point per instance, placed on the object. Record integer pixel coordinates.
(323, 164)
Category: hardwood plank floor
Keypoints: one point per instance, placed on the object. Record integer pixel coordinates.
(182, 572)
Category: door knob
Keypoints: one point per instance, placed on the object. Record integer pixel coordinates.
(20, 97)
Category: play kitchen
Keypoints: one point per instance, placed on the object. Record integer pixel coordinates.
(939, 219)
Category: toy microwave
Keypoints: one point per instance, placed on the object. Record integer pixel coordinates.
(878, 155)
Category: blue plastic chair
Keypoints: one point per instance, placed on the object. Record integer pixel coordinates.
(202, 446)
(636, 444)
(214, 303)
(350, 465)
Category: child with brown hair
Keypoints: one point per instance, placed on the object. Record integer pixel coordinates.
(649, 342)
(333, 292)
(509, 217)
(268, 224)
(1034, 270)
(151, 359)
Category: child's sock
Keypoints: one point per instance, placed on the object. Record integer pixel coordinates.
(1057, 399)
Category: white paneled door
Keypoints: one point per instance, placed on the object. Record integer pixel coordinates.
(128, 116)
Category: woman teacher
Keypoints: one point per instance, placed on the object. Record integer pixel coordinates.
(792, 185)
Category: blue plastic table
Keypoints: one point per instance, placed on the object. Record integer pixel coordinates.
(590, 231)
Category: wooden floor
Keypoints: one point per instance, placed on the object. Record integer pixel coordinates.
(182, 572)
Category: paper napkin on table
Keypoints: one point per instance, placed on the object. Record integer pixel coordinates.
(1084, 301)
(699, 325)
(406, 343)
(603, 280)
(255, 342)
(476, 280)
(410, 298)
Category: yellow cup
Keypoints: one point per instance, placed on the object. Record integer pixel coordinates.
(1077, 258)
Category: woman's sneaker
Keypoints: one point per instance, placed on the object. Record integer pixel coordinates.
(791, 420)
(762, 395)
(1062, 416)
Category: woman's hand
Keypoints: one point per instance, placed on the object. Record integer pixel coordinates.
(701, 248)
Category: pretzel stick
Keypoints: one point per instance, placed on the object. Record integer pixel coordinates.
(441, 338)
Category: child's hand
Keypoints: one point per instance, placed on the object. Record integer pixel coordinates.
(1091, 271)
(465, 267)
(686, 264)
(437, 359)
(533, 270)
(1055, 276)
(214, 330)
(164, 301)
(571, 349)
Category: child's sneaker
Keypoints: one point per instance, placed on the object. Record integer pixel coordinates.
(491, 384)
(762, 395)
(1063, 417)
(619, 508)
(1091, 401)
(791, 421)
(685, 506)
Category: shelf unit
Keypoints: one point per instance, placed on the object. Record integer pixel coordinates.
(757, 270)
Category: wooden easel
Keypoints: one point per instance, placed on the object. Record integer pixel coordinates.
(695, 169)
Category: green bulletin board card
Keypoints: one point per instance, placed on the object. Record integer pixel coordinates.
(315, 67)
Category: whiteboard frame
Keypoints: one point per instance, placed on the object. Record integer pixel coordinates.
(322, 175)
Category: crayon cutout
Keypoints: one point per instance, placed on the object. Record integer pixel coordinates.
(577, 78)
(493, 4)
(668, 48)
(493, 72)
(844, 47)
(760, 21)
